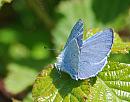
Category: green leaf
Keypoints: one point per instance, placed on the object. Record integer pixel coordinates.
(72, 11)
(112, 84)
(28, 98)
(119, 46)
(15, 100)
(4, 1)
(19, 78)
(54, 86)
(105, 13)
(121, 58)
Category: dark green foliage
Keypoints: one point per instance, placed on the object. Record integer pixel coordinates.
(108, 10)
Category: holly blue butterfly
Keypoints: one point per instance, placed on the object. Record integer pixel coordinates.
(85, 59)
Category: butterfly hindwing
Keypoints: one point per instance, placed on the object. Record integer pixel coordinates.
(97, 47)
(94, 52)
(87, 70)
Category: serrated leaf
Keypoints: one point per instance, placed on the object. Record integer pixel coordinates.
(53, 86)
(111, 85)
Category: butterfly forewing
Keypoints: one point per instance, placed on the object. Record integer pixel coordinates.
(76, 31)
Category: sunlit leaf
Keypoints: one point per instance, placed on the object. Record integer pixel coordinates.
(120, 46)
(112, 84)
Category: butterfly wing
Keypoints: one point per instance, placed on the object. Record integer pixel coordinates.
(76, 31)
(94, 52)
(70, 59)
(88, 70)
(97, 47)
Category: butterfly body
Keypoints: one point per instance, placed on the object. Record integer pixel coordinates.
(84, 59)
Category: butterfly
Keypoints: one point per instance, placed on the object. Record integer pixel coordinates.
(85, 59)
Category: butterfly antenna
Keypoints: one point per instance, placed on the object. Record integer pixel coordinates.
(49, 49)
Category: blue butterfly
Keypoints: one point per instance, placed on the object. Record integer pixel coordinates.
(84, 59)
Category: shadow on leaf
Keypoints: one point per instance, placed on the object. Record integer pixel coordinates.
(69, 88)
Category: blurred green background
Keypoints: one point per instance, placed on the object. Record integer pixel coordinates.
(28, 28)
